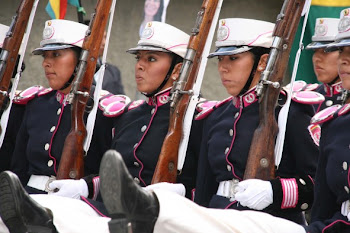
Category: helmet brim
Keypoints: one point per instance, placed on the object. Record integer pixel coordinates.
(146, 48)
(339, 43)
(50, 47)
(230, 50)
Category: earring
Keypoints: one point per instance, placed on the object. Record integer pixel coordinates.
(260, 68)
(173, 78)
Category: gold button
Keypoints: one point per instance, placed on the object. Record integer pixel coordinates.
(231, 132)
(52, 129)
(49, 163)
(345, 166)
(304, 206)
(137, 180)
(329, 103)
(143, 129)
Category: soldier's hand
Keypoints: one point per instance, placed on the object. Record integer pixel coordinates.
(175, 188)
(255, 194)
(70, 188)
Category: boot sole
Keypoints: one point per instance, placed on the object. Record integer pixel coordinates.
(9, 205)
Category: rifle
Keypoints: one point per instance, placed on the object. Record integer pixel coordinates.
(166, 169)
(72, 159)
(260, 163)
(11, 46)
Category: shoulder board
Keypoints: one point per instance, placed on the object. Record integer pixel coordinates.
(113, 105)
(307, 97)
(206, 107)
(325, 115)
(301, 85)
(28, 94)
(135, 104)
(315, 133)
(344, 110)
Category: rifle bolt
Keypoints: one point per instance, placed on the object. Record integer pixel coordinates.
(264, 163)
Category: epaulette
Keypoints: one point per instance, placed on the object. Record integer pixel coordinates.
(113, 105)
(307, 97)
(326, 114)
(28, 94)
(301, 85)
(135, 104)
(206, 107)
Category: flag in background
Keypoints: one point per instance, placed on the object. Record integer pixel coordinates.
(318, 9)
(57, 8)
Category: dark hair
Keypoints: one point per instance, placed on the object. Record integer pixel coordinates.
(258, 52)
(77, 51)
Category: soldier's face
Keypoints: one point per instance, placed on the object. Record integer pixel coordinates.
(150, 70)
(344, 66)
(325, 65)
(59, 66)
(234, 71)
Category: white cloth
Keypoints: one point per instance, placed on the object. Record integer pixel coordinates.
(70, 215)
(70, 188)
(345, 209)
(254, 193)
(177, 188)
(179, 214)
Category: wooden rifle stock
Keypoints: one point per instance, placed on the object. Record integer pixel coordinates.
(11, 46)
(72, 159)
(260, 163)
(166, 169)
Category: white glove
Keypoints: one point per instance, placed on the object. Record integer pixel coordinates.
(70, 188)
(345, 209)
(255, 194)
(177, 188)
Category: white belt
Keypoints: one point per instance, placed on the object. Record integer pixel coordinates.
(228, 188)
(41, 182)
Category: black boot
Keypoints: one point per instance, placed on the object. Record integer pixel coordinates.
(19, 211)
(123, 197)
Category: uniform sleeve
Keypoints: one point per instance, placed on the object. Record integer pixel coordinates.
(206, 185)
(100, 143)
(293, 189)
(19, 162)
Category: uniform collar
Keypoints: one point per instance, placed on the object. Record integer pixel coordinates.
(246, 99)
(160, 98)
(61, 98)
(333, 89)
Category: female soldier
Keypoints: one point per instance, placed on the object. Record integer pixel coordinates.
(325, 62)
(47, 119)
(229, 128)
(140, 126)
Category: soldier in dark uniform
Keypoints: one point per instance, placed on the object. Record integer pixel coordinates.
(325, 62)
(229, 127)
(47, 119)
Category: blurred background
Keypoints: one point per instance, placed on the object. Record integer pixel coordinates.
(125, 34)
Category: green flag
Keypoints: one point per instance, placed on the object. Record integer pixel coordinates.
(318, 9)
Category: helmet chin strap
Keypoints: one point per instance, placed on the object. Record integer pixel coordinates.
(69, 82)
(173, 63)
(333, 81)
(250, 79)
